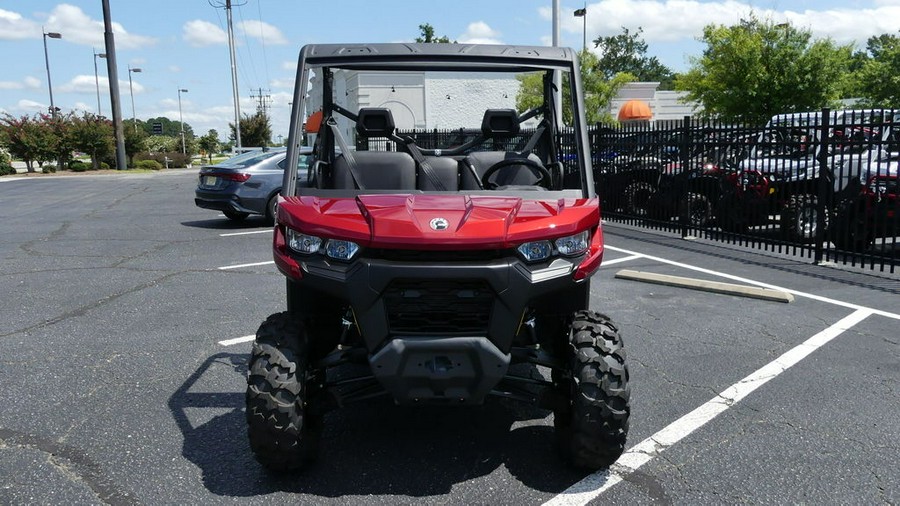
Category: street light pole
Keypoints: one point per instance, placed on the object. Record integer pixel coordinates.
(181, 120)
(582, 13)
(97, 79)
(131, 90)
(52, 35)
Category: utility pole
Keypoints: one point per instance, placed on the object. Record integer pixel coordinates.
(113, 74)
(262, 101)
(234, 81)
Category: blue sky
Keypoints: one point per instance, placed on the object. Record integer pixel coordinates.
(182, 43)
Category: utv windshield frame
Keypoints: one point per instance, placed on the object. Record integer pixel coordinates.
(446, 57)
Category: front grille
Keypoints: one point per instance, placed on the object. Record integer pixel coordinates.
(439, 306)
(403, 255)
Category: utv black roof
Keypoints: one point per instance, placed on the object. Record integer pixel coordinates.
(455, 56)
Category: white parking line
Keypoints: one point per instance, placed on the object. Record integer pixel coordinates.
(237, 340)
(267, 231)
(227, 267)
(595, 484)
(819, 298)
(619, 260)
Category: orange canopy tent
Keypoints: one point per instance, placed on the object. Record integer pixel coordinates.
(635, 110)
(314, 122)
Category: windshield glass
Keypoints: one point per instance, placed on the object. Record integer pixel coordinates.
(441, 130)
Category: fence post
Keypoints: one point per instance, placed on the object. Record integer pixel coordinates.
(822, 183)
(684, 152)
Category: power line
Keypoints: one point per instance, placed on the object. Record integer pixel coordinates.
(263, 102)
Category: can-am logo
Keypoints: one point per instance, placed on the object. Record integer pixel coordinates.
(439, 224)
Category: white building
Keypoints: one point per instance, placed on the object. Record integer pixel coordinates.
(665, 106)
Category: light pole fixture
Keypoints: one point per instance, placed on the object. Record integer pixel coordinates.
(97, 79)
(52, 35)
(582, 13)
(181, 120)
(131, 90)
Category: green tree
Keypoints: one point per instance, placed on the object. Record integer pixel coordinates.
(169, 127)
(94, 135)
(210, 143)
(427, 35)
(21, 136)
(627, 53)
(598, 90)
(756, 69)
(256, 130)
(135, 141)
(61, 126)
(163, 143)
(878, 80)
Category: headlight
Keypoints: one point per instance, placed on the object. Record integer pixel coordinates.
(309, 244)
(302, 243)
(535, 251)
(573, 245)
(341, 250)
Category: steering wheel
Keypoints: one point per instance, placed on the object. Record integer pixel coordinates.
(544, 177)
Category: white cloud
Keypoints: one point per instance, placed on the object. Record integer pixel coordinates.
(28, 82)
(87, 84)
(263, 31)
(289, 65)
(282, 83)
(78, 27)
(203, 33)
(679, 20)
(168, 102)
(174, 68)
(13, 26)
(31, 105)
(480, 33)
(81, 106)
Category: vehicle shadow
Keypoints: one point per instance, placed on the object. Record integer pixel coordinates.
(373, 448)
(226, 224)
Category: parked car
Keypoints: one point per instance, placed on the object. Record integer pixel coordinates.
(780, 177)
(872, 209)
(246, 184)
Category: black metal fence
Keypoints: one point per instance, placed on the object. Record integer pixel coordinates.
(821, 185)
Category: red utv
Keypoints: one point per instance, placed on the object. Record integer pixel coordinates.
(438, 265)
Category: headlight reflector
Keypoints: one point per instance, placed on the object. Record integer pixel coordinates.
(302, 243)
(535, 251)
(573, 244)
(340, 249)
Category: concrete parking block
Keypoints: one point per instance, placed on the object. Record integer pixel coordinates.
(707, 286)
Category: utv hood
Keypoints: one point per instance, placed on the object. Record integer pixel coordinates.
(438, 221)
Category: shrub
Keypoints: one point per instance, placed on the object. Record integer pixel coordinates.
(6, 167)
(78, 166)
(177, 159)
(104, 166)
(48, 168)
(148, 165)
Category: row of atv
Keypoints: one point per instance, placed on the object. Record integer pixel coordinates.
(759, 182)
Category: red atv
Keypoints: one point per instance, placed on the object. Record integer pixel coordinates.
(439, 266)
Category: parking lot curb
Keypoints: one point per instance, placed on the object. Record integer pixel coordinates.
(707, 286)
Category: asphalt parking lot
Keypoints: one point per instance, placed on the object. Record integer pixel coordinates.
(124, 336)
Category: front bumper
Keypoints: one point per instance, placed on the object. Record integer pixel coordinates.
(442, 331)
(220, 202)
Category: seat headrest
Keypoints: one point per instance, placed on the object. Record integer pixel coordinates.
(499, 122)
(375, 122)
